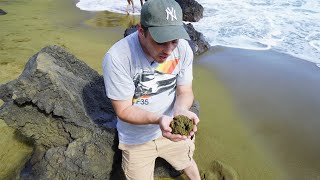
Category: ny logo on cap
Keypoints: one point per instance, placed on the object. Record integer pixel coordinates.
(171, 12)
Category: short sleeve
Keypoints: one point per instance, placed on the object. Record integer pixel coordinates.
(185, 74)
(118, 82)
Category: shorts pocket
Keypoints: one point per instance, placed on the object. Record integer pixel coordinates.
(191, 148)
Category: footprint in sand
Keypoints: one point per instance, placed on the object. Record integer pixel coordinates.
(219, 171)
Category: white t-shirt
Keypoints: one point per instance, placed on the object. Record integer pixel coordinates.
(129, 74)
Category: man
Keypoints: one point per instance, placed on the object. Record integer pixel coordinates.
(148, 77)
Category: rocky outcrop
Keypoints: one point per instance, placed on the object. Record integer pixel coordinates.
(197, 43)
(59, 104)
(219, 170)
(191, 9)
(130, 30)
(2, 12)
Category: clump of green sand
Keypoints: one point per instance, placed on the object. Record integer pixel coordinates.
(181, 125)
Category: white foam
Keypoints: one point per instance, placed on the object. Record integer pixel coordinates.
(314, 40)
(119, 6)
(263, 24)
(287, 26)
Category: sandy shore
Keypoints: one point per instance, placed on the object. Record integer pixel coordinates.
(30, 26)
(225, 83)
(277, 97)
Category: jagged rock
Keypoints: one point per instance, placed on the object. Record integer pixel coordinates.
(191, 9)
(130, 30)
(197, 43)
(2, 12)
(59, 104)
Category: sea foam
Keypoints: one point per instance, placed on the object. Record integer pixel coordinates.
(287, 26)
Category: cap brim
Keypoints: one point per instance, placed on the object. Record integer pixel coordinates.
(163, 34)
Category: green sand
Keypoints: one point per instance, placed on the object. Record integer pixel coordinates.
(277, 97)
(222, 136)
(30, 25)
(181, 125)
(14, 152)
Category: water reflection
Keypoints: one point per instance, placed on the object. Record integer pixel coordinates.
(110, 19)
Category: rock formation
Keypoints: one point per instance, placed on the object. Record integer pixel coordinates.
(191, 9)
(59, 104)
(219, 171)
(2, 12)
(197, 43)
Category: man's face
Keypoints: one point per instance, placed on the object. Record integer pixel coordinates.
(158, 51)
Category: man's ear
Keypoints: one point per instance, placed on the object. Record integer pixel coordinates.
(140, 30)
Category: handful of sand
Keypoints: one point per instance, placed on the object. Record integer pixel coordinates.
(181, 125)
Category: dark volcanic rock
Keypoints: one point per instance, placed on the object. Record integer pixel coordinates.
(130, 30)
(191, 9)
(197, 43)
(2, 12)
(59, 104)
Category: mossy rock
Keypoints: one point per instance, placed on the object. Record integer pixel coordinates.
(181, 125)
(219, 171)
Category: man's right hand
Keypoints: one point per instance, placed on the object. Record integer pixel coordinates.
(164, 122)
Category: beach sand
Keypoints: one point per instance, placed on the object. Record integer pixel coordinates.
(233, 129)
(31, 25)
(277, 97)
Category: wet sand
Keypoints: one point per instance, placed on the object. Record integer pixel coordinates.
(225, 134)
(222, 135)
(277, 97)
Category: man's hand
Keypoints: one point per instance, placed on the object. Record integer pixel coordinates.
(191, 115)
(164, 123)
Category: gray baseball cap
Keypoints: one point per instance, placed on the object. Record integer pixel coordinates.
(164, 20)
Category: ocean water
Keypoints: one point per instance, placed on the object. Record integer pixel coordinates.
(287, 26)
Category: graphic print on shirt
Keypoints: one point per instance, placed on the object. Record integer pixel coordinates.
(149, 83)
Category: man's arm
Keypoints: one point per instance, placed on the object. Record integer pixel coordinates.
(184, 100)
(135, 115)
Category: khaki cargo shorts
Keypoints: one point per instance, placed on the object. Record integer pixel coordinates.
(138, 161)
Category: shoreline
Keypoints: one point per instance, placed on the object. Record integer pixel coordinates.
(277, 97)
